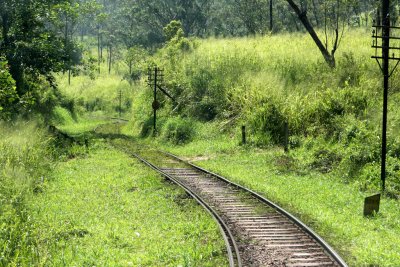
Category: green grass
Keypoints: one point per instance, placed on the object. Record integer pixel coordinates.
(99, 95)
(83, 126)
(106, 209)
(26, 157)
(333, 208)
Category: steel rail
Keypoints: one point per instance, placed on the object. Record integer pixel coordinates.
(332, 253)
(231, 246)
(227, 234)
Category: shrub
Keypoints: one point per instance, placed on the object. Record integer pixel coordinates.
(8, 93)
(178, 130)
(349, 72)
(325, 160)
(147, 127)
(269, 120)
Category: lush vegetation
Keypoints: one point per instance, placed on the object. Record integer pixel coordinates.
(334, 119)
(113, 220)
(75, 63)
(334, 115)
(25, 161)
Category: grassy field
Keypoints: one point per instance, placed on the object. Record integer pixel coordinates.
(105, 209)
(70, 206)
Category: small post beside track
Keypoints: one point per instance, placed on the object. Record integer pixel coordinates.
(286, 141)
(243, 135)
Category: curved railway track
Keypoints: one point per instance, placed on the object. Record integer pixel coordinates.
(257, 232)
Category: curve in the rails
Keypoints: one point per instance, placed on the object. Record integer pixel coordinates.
(232, 247)
(266, 234)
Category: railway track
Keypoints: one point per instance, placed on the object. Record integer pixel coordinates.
(256, 231)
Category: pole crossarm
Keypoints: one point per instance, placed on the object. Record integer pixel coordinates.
(165, 92)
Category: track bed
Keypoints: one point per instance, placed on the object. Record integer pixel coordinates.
(257, 232)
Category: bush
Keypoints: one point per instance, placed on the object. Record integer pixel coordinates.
(325, 160)
(179, 131)
(269, 120)
(147, 127)
(8, 93)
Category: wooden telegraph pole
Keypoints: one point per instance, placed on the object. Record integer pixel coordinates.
(155, 80)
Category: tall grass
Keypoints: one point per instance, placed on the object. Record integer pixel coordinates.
(265, 81)
(25, 161)
(99, 94)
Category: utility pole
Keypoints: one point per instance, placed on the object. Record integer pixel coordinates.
(385, 69)
(155, 80)
(381, 40)
(155, 103)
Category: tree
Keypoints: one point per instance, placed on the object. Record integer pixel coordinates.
(335, 20)
(135, 56)
(253, 13)
(223, 21)
(68, 13)
(31, 41)
(141, 22)
(8, 93)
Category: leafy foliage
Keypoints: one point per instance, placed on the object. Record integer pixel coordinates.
(8, 93)
(32, 45)
(178, 131)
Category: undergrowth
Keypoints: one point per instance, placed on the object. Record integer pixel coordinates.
(105, 209)
(25, 161)
(266, 82)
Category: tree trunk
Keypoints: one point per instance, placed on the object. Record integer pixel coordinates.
(110, 59)
(329, 59)
(98, 48)
(271, 16)
(101, 47)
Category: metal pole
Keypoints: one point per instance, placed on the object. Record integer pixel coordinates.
(385, 67)
(243, 135)
(120, 102)
(155, 99)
